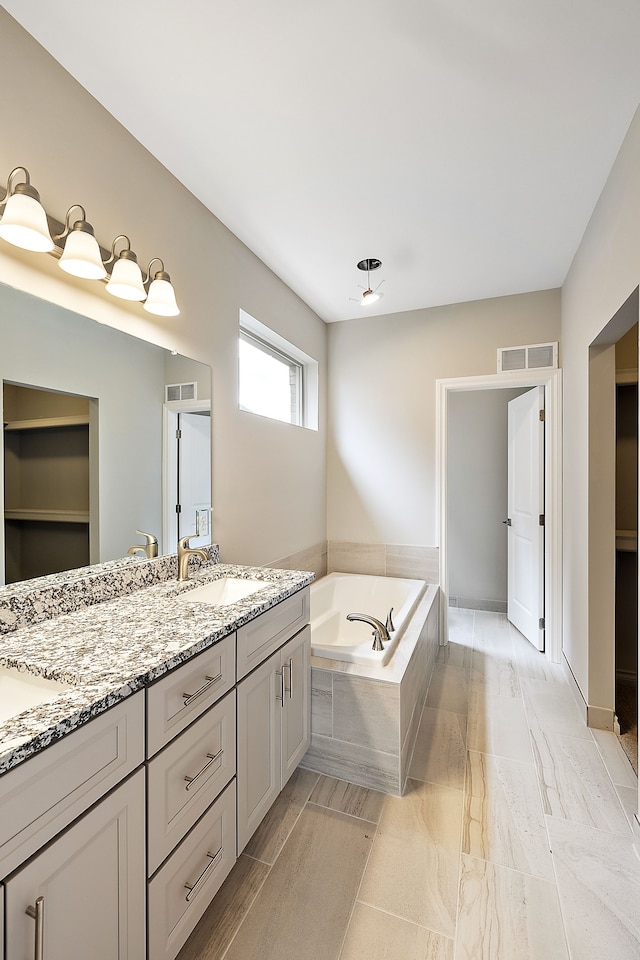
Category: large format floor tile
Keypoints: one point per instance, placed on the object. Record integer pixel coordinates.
(413, 869)
(498, 725)
(574, 782)
(305, 903)
(599, 885)
(375, 935)
(507, 915)
(503, 818)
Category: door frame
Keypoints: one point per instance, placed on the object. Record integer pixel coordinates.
(170, 411)
(551, 380)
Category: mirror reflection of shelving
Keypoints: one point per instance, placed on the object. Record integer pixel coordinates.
(46, 481)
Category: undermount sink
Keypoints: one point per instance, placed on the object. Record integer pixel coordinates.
(224, 591)
(19, 691)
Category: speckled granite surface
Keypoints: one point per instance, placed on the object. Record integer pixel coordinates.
(111, 649)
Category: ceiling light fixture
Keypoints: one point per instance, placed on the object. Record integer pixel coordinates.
(26, 224)
(369, 296)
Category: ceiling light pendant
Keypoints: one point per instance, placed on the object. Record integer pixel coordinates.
(161, 299)
(81, 255)
(24, 221)
(125, 281)
(370, 296)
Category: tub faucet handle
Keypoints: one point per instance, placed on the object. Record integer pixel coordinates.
(389, 624)
(380, 632)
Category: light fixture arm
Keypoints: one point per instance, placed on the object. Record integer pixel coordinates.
(25, 186)
(127, 253)
(148, 277)
(67, 221)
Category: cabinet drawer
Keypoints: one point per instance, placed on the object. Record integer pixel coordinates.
(187, 775)
(259, 638)
(183, 888)
(180, 697)
(48, 791)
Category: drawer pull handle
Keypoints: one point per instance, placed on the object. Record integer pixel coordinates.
(280, 676)
(209, 681)
(212, 759)
(214, 859)
(37, 914)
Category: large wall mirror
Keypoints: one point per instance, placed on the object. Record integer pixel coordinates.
(91, 441)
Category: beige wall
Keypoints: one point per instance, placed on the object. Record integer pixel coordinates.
(604, 273)
(382, 417)
(268, 478)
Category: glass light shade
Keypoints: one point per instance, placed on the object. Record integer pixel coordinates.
(369, 297)
(126, 279)
(162, 299)
(81, 256)
(24, 224)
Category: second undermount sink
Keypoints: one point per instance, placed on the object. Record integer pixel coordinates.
(224, 591)
(19, 691)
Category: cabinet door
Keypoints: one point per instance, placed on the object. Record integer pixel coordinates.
(259, 723)
(296, 715)
(92, 881)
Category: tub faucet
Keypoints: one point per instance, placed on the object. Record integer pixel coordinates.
(380, 632)
(183, 557)
(389, 624)
(150, 549)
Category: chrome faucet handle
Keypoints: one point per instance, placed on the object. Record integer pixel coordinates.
(389, 624)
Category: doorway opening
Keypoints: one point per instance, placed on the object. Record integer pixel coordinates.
(517, 383)
(187, 473)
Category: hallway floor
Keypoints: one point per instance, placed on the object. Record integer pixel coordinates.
(514, 840)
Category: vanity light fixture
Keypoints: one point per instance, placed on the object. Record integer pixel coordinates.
(81, 255)
(161, 298)
(24, 221)
(369, 296)
(125, 281)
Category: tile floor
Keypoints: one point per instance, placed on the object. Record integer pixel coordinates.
(514, 841)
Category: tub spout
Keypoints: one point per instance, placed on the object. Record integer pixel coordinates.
(380, 632)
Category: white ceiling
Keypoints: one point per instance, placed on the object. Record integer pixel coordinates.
(462, 142)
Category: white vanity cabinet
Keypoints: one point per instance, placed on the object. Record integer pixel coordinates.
(83, 895)
(274, 707)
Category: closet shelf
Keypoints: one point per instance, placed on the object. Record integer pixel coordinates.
(47, 423)
(48, 516)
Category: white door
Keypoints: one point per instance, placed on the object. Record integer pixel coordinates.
(525, 603)
(194, 478)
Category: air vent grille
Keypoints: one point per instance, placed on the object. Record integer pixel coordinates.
(180, 391)
(533, 356)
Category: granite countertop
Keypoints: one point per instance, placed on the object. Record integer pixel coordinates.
(114, 648)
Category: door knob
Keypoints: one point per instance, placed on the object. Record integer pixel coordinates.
(507, 521)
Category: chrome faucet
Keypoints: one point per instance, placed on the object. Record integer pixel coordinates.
(183, 557)
(380, 632)
(150, 549)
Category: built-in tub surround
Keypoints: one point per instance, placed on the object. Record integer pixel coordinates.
(384, 559)
(110, 649)
(364, 718)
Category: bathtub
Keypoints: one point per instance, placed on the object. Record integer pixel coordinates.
(366, 706)
(334, 637)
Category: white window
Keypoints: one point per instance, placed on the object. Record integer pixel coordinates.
(275, 378)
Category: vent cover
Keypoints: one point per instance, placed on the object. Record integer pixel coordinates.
(532, 356)
(180, 391)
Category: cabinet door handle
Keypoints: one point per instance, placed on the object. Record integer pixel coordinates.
(209, 681)
(290, 665)
(212, 759)
(280, 676)
(37, 914)
(193, 887)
